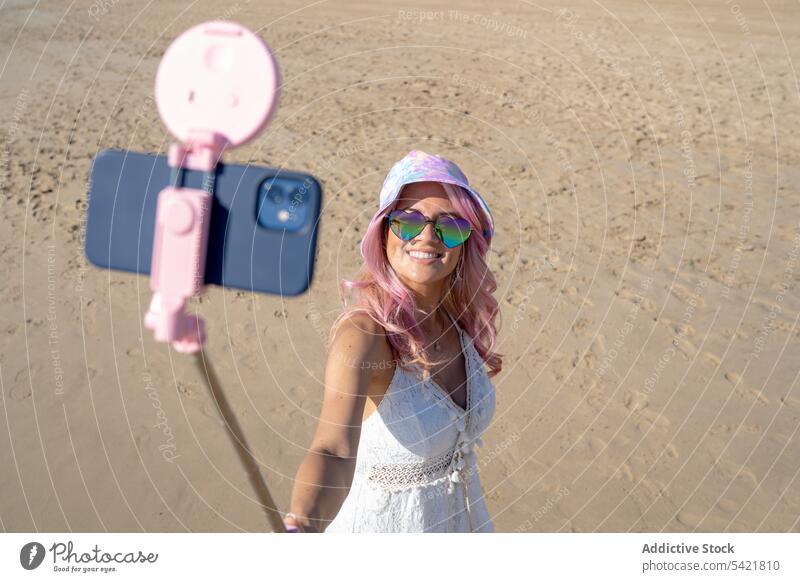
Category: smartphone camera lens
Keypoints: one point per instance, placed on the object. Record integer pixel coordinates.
(275, 193)
(283, 204)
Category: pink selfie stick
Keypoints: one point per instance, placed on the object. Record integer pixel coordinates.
(217, 87)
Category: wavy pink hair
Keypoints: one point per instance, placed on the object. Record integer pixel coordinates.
(381, 295)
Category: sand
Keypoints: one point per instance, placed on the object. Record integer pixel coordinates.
(642, 161)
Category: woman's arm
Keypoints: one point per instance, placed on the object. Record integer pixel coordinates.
(359, 348)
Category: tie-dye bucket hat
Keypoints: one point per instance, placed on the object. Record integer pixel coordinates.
(418, 166)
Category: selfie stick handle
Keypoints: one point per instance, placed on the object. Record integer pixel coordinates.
(183, 216)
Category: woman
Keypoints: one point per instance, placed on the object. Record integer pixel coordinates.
(407, 393)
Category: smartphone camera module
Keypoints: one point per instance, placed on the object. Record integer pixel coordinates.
(283, 204)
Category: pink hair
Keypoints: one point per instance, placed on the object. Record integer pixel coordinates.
(470, 301)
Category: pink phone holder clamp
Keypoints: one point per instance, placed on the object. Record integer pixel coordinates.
(217, 87)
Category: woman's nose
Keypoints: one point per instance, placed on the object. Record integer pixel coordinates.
(428, 234)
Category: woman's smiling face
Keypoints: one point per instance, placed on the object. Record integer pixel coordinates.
(424, 260)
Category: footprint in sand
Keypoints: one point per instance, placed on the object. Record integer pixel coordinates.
(624, 472)
(187, 389)
(729, 506)
(680, 328)
(766, 303)
(587, 360)
(727, 429)
(572, 293)
(685, 295)
(653, 490)
(745, 391)
(597, 445)
(711, 359)
(731, 471)
(686, 347)
(652, 418)
(211, 411)
(681, 333)
(580, 324)
(22, 375)
(248, 359)
(733, 378)
(730, 332)
(791, 402)
(785, 326)
(596, 400)
(710, 523)
(752, 393)
(635, 401)
(20, 391)
(295, 414)
(644, 303)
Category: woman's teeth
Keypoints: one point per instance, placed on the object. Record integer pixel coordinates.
(423, 255)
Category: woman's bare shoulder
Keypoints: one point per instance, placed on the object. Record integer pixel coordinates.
(359, 334)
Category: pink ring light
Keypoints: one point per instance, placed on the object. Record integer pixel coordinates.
(217, 77)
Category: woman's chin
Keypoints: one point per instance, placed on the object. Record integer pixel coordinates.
(423, 277)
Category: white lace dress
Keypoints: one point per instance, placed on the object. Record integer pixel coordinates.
(416, 466)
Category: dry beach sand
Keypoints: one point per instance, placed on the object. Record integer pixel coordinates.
(642, 161)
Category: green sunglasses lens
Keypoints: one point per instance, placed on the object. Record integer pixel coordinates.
(451, 230)
(407, 225)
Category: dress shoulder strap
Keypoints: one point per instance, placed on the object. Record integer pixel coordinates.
(453, 320)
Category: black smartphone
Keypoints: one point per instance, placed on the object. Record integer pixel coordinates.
(263, 231)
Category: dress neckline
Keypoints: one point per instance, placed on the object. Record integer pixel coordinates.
(467, 374)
